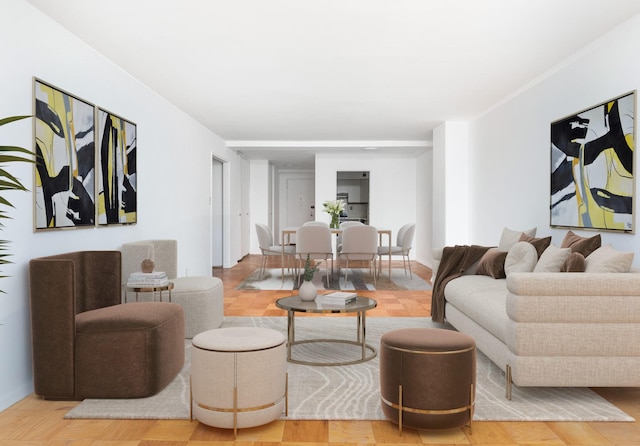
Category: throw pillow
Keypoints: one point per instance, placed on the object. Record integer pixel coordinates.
(521, 258)
(575, 263)
(552, 259)
(492, 264)
(539, 243)
(583, 245)
(510, 237)
(606, 259)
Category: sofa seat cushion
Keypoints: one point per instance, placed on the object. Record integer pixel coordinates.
(482, 299)
(131, 316)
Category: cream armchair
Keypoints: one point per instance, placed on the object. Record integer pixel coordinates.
(202, 298)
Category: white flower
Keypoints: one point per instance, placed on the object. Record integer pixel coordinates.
(333, 207)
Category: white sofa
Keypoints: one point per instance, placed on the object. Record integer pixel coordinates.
(552, 328)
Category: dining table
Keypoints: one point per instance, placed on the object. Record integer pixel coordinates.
(286, 232)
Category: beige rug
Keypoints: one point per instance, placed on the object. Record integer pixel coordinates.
(352, 392)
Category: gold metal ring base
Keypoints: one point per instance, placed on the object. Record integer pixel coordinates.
(401, 408)
(367, 357)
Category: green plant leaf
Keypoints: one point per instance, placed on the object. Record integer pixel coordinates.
(16, 149)
(4, 121)
(8, 155)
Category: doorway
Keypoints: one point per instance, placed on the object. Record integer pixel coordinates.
(353, 190)
(217, 192)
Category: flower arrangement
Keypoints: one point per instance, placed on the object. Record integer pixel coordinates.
(333, 208)
(309, 270)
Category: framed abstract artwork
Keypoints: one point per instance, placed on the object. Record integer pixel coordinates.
(64, 141)
(117, 170)
(592, 161)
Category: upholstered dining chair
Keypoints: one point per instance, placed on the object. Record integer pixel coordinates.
(359, 243)
(270, 249)
(315, 241)
(404, 242)
(315, 223)
(345, 224)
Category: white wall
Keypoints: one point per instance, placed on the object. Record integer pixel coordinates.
(451, 184)
(259, 200)
(392, 187)
(174, 165)
(510, 145)
(423, 243)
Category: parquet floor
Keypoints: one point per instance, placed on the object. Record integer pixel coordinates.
(33, 421)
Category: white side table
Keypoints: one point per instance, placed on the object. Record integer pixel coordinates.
(149, 289)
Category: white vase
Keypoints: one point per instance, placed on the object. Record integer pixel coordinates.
(307, 291)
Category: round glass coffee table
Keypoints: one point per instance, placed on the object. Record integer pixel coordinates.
(294, 304)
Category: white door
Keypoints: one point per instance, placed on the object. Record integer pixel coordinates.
(300, 201)
(217, 213)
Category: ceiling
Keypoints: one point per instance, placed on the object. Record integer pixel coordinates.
(283, 79)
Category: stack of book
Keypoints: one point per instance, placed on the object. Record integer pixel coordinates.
(339, 298)
(154, 279)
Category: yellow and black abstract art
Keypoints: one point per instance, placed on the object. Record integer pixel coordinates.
(64, 134)
(117, 190)
(592, 158)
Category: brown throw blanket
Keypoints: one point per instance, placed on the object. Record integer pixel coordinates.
(455, 260)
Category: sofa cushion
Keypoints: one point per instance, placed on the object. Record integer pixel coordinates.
(583, 245)
(492, 264)
(522, 258)
(552, 259)
(607, 259)
(510, 237)
(131, 316)
(574, 263)
(539, 243)
(482, 299)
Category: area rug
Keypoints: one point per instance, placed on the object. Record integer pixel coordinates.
(352, 392)
(358, 279)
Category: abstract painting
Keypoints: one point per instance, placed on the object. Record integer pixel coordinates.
(117, 172)
(592, 157)
(64, 134)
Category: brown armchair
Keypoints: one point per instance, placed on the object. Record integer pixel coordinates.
(86, 344)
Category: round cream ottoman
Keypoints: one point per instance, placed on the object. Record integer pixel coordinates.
(427, 378)
(203, 301)
(238, 377)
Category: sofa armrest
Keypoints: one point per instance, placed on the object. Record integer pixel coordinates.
(574, 284)
(573, 297)
(52, 299)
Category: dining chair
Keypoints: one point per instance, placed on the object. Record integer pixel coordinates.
(360, 242)
(315, 241)
(315, 223)
(404, 242)
(270, 249)
(345, 224)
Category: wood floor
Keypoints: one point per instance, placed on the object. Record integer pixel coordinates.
(33, 421)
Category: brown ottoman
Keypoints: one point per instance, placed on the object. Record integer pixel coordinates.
(427, 378)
